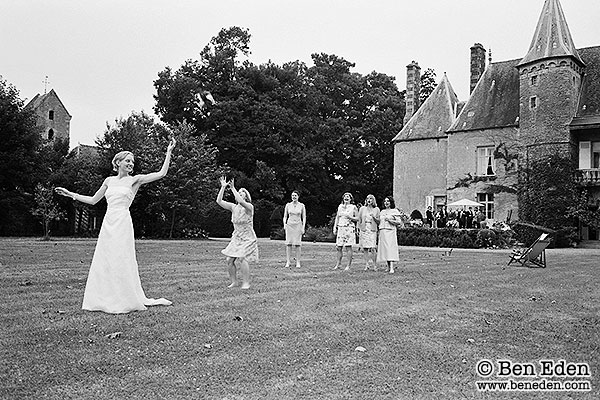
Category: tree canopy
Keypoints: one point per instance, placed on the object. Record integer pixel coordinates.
(321, 129)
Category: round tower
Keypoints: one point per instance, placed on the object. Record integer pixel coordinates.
(550, 81)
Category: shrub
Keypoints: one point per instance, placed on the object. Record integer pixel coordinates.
(319, 234)
(459, 238)
(486, 238)
(277, 234)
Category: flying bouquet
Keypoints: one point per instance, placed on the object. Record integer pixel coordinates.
(203, 98)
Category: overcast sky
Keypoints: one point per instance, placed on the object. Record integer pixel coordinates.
(102, 56)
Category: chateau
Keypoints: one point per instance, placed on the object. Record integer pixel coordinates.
(518, 110)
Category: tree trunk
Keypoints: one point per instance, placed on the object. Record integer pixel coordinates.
(46, 229)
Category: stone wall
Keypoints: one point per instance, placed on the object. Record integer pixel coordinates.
(419, 171)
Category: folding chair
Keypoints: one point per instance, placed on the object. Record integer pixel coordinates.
(535, 254)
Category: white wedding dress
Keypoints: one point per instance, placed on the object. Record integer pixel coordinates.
(113, 283)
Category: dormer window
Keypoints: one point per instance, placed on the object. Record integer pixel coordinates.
(51, 115)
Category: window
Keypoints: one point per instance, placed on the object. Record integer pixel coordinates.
(486, 164)
(50, 134)
(487, 199)
(589, 155)
(533, 102)
(534, 80)
(51, 115)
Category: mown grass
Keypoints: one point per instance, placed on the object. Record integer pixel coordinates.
(295, 333)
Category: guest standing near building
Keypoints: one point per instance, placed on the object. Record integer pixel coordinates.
(345, 230)
(368, 215)
(389, 220)
(294, 223)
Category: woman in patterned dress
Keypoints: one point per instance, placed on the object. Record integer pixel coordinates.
(294, 222)
(243, 246)
(368, 215)
(345, 230)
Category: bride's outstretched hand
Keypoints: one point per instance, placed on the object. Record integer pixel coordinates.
(231, 184)
(172, 144)
(62, 191)
(223, 181)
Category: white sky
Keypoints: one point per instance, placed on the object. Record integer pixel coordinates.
(102, 56)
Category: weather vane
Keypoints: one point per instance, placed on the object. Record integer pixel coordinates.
(45, 81)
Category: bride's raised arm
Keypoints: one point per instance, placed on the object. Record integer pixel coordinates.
(154, 176)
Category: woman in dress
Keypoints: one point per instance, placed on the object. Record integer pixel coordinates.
(345, 230)
(389, 220)
(243, 246)
(294, 222)
(368, 215)
(113, 283)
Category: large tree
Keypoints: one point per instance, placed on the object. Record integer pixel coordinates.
(19, 143)
(185, 197)
(322, 129)
(173, 206)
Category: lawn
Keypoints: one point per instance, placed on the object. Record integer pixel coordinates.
(308, 333)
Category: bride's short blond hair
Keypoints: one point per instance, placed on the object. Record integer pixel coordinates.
(120, 156)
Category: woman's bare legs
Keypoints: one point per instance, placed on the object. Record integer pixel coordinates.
(288, 255)
(367, 257)
(349, 251)
(340, 254)
(298, 253)
(245, 270)
(232, 271)
(373, 252)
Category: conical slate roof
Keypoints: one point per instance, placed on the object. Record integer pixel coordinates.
(434, 116)
(588, 110)
(552, 37)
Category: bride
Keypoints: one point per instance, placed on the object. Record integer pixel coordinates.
(113, 283)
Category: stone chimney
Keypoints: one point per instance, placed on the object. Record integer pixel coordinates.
(413, 89)
(477, 64)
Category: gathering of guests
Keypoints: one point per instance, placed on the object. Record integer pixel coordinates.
(370, 229)
(460, 218)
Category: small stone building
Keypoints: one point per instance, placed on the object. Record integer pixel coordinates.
(52, 115)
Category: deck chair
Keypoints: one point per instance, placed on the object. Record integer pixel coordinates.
(534, 254)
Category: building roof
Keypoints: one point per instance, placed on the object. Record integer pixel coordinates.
(588, 110)
(39, 99)
(552, 37)
(434, 116)
(85, 150)
(494, 102)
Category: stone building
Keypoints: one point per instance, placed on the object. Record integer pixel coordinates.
(52, 115)
(517, 110)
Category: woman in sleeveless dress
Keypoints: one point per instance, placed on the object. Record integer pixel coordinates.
(345, 230)
(243, 246)
(113, 283)
(294, 222)
(368, 215)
